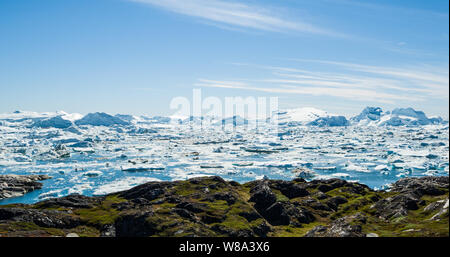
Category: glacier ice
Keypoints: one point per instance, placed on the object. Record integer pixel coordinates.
(100, 119)
(99, 153)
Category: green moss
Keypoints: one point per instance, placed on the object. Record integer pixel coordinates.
(187, 188)
(219, 218)
(85, 231)
(408, 227)
(235, 221)
(280, 196)
(218, 205)
(102, 214)
(168, 224)
(164, 207)
(354, 205)
(416, 223)
(291, 231)
(12, 205)
(342, 193)
(184, 188)
(21, 226)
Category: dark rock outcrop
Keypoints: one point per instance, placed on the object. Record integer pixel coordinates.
(410, 191)
(71, 201)
(44, 218)
(211, 206)
(18, 185)
(262, 196)
(422, 186)
(134, 224)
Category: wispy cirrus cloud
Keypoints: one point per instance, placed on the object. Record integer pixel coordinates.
(349, 93)
(360, 83)
(419, 74)
(233, 14)
(391, 7)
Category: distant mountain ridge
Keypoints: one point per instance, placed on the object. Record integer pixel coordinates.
(307, 116)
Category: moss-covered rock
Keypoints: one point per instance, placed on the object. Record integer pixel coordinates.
(211, 206)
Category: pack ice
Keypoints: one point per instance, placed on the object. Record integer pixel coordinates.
(99, 153)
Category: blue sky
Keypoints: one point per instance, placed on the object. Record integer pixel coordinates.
(134, 56)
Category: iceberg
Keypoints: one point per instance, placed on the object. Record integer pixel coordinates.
(369, 116)
(309, 116)
(101, 119)
(408, 117)
(375, 116)
(54, 122)
(369, 113)
(299, 116)
(330, 121)
(122, 144)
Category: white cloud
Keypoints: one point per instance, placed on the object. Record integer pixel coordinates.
(232, 13)
(360, 82)
(351, 93)
(408, 73)
(427, 80)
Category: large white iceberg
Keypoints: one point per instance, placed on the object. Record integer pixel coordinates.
(398, 117)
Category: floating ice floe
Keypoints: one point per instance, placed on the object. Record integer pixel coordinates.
(325, 168)
(93, 173)
(243, 164)
(211, 166)
(382, 167)
(304, 173)
(147, 167)
(353, 167)
(87, 150)
(50, 194)
(280, 165)
(115, 143)
(260, 150)
(340, 175)
(80, 188)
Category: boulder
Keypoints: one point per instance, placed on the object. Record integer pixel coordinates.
(334, 202)
(262, 196)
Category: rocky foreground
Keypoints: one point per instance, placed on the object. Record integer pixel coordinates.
(210, 206)
(18, 185)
